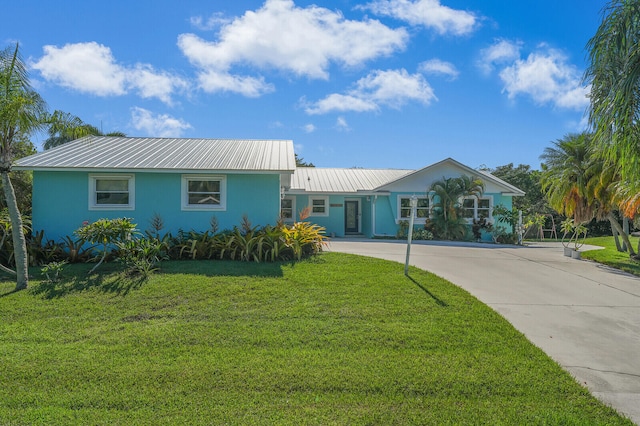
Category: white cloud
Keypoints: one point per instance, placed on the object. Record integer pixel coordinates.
(151, 84)
(213, 81)
(91, 68)
(86, 67)
(309, 128)
(547, 78)
(282, 36)
(214, 21)
(158, 125)
(342, 125)
(545, 75)
(391, 88)
(338, 102)
(427, 13)
(439, 67)
(500, 52)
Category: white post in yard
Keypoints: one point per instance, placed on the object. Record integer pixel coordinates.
(414, 204)
(520, 227)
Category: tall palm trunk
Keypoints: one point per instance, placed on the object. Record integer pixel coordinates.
(19, 241)
(625, 237)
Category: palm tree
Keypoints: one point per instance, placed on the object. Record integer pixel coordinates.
(564, 176)
(578, 183)
(449, 220)
(21, 112)
(65, 127)
(614, 76)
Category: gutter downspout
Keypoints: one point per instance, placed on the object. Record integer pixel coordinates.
(373, 218)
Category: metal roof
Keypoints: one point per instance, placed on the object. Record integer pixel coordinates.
(316, 179)
(171, 154)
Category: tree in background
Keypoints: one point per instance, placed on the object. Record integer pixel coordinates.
(301, 163)
(21, 113)
(64, 127)
(522, 177)
(22, 181)
(614, 76)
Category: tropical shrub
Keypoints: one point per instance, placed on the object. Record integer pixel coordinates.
(141, 255)
(74, 250)
(447, 227)
(106, 232)
(304, 239)
(53, 271)
(480, 225)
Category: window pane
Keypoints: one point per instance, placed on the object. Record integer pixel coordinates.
(112, 198)
(405, 202)
(204, 186)
(405, 212)
(287, 203)
(318, 203)
(112, 185)
(483, 203)
(204, 199)
(423, 202)
(468, 203)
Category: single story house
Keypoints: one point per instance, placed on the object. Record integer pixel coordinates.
(186, 182)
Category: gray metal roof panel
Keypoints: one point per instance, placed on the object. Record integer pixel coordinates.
(316, 179)
(102, 152)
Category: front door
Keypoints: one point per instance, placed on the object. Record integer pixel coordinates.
(351, 215)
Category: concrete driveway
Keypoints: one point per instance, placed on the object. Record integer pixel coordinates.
(583, 315)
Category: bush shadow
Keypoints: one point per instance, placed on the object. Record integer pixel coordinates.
(108, 281)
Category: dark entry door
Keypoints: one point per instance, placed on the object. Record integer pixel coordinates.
(351, 215)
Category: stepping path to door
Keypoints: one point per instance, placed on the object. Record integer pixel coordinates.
(583, 315)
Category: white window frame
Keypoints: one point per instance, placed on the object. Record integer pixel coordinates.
(93, 192)
(475, 208)
(417, 220)
(204, 207)
(324, 198)
(293, 208)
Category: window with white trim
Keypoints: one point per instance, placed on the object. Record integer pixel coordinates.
(319, 206)
(111, 192)
(288, 209)
(475, 208)
(423, 208)
(203, 192)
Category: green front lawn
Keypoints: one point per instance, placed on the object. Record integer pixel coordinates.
(337, 339)
(611, 256)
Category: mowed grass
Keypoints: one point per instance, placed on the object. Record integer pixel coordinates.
(611, 256)
(337, 339)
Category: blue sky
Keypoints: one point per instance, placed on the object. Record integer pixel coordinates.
(375, 84)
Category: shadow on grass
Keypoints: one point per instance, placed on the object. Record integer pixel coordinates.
(229, 268)
(9, 293)
(118, 284)
(438, 301)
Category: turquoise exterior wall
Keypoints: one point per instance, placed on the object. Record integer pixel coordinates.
(386, 212)
(60, 202)
(385, 216)
(335, 222)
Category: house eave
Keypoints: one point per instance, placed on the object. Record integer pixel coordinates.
(143, 170)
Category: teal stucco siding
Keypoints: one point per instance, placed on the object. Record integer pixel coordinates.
(385, 221)
(61, 202)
